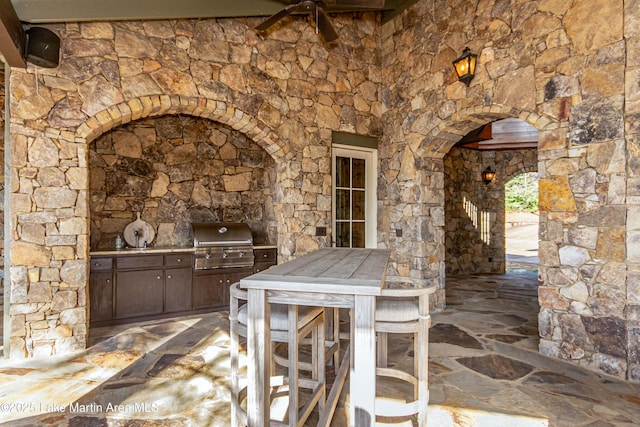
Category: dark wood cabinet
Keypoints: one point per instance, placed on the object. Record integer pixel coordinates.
(139, 293)
(130, 287)
(177, 289)
(264, 258)
(211, 287)
(101, 289)
(178, 282)
(101, 295)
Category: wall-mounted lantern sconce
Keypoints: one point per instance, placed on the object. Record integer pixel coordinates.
(466, 66)
(488, 175)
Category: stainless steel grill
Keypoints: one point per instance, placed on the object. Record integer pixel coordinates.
(222, 244)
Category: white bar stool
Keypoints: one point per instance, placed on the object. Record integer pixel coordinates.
(308, 321)
(403, 307)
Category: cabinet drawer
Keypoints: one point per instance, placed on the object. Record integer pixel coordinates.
(98, 264)
(178, 260)
(265, 255)
(140, 261)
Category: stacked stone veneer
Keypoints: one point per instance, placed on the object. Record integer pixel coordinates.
(178, 170)
(569, 68)
(560, 65)
(286, 93)
(475, 211)
(2, 130)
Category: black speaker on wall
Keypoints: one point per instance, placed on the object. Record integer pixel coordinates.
(42, 47)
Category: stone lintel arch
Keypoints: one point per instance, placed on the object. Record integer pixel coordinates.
(513, 173)
(429, 154)
(451, 130)
(160, 105)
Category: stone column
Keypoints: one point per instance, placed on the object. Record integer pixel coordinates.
(411, 219)
(49, 249)
(632, 139)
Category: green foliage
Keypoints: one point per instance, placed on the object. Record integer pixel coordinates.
(521, 193)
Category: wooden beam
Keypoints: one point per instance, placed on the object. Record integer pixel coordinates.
(12, 38)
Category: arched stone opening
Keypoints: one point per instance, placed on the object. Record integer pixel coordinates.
(216, 111)
(62, 220)
(475, 211)
(176, 170)
(412, 218)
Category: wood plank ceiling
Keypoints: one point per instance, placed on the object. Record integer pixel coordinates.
(507, 134)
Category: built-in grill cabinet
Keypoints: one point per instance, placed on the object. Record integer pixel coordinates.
(222, 245)
(223, 254)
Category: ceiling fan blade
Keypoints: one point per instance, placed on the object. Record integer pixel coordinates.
(324, 26)
(276, 17)
(362, 4)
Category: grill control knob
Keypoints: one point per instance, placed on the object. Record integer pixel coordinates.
(207, 255)
(225, 255)
(241, 253)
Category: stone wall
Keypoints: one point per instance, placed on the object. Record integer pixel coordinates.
(560, 65)
(286, 92)
(474, 211)
(2, 129)
(630, 179)
(178, 170)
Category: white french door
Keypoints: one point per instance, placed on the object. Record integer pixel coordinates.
(354, 197)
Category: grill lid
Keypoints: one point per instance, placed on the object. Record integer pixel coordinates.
(221, 234)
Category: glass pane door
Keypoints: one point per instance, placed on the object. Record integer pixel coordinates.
(352, 203)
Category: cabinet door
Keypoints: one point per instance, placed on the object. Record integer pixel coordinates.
(177, 289)
(261, 266)
(101, 296)
(264, 258)
(139, 293)
(237, 274)
(209, 290)
(232, 277)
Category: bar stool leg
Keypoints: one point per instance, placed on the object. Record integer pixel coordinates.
(381, 349)
(319, 355)
(293, 365)
(333, 329)
(234, 355)
(421, 356)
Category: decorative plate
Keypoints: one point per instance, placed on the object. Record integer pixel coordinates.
(144, 230)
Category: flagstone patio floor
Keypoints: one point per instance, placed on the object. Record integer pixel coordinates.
(484, 371)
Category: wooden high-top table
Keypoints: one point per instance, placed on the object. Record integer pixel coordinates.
(328, 277)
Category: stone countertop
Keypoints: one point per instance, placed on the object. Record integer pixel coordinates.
(156, 250)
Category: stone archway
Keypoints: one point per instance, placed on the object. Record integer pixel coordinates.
(211, 109)
(475, 211)
(158, 105)
(413, 199)
(58, 229)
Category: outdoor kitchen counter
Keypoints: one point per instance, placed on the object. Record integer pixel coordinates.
(130, 285)
(157, 249)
